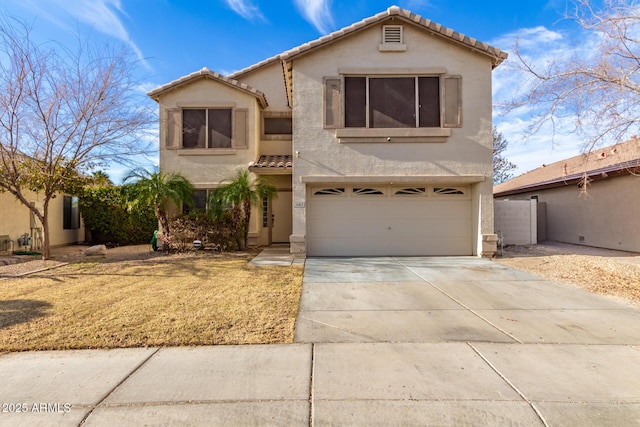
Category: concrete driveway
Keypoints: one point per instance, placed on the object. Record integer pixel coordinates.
(464, 341)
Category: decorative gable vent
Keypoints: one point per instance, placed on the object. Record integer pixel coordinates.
(392, 39)
(392, 34)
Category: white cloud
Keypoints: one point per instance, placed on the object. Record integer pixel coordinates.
(544, 147)
(103, 15)
(246, 9)
(528, 37)
(318, 13)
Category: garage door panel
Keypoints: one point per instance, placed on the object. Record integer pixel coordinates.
(323, 227)
(344, 247)
(352, 225)
(434, 246)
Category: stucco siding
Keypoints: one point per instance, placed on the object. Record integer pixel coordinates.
(15, 220)
(269, 80)
(467, 151)
(206, 168)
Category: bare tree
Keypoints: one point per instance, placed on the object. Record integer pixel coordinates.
(501, 166)
(595, 91)
(63, 114)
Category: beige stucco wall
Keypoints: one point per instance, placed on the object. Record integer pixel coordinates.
(468, 151)
(15, 220)
(205, 169)
(269, 80)
(607, 217)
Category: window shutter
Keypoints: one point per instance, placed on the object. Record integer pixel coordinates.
(240, 134)
(173, 128)
(332, 103)
(452, 102)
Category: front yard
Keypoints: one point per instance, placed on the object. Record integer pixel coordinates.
(162, 301)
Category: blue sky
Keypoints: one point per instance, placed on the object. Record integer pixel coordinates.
(173, 38)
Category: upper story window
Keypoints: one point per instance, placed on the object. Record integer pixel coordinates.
(390, 105)
(202, 130)
(206, 128)
(277, 125)
(392, 102)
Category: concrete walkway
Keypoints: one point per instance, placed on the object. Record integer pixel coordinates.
(381, 341)
(277, 255)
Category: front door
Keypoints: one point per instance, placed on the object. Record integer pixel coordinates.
(281, 221)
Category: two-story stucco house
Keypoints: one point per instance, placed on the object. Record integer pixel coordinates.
(377, 137)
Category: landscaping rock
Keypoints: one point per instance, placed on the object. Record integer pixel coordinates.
(97, 250)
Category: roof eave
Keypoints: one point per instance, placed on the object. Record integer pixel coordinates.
(206, 73)
(596, 175)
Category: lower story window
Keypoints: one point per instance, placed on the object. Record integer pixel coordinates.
(265, 212)
(198, 200)
(71, 213)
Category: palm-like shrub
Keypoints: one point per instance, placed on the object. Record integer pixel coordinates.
(241, 193)
(158, 190)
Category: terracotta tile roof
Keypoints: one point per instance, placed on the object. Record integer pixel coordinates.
(616, 159)
(285, 161)
(206, 73)
(494, 53)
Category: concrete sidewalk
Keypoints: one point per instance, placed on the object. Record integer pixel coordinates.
(382, 341)
(342, 384)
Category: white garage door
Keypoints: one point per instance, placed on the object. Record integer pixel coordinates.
(360, 220)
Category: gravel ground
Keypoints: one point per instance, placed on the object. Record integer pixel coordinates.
(12, 266)
(614, 274)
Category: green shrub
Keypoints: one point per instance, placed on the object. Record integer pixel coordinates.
(105, 215)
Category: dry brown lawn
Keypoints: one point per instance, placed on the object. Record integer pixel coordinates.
(163, 301)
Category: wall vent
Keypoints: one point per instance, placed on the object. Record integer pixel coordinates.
(392, 34)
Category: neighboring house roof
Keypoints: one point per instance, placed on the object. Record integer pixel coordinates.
(496, 55)
(619, 159)
(208, 74)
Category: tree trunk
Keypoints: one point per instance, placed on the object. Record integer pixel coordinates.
(247, 217)
(44, 219)
(164, 222)
(236, 216)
